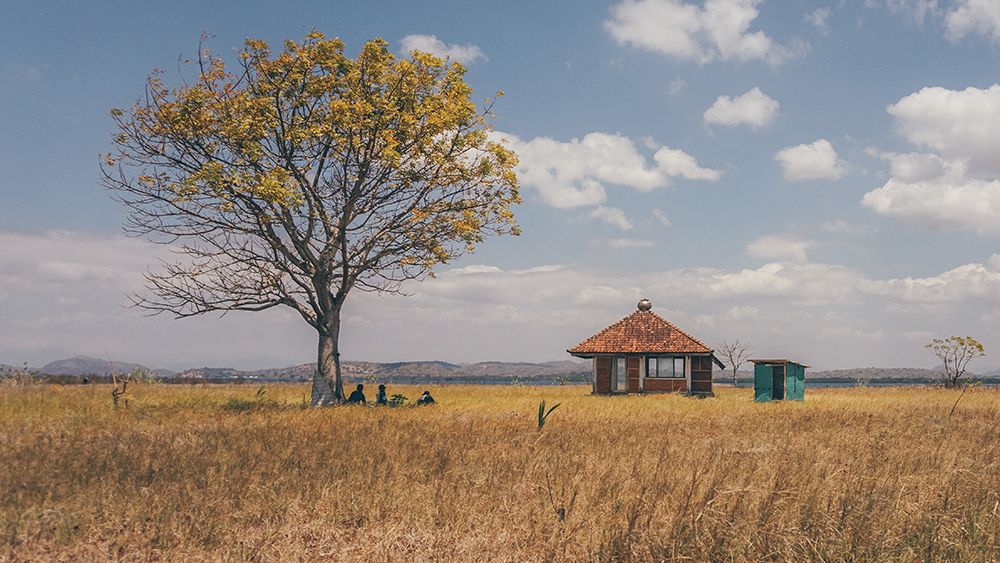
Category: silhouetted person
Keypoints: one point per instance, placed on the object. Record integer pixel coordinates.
(380, 396)
(426, 399)
(357, 396)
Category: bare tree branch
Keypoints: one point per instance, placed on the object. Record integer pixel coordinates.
(737, 353)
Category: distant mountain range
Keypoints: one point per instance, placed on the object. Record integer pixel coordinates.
(445, 372)
(81, 366)
(85, 365)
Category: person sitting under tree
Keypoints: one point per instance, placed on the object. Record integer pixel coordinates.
(380, 399)
(425, 399)
(357, 396)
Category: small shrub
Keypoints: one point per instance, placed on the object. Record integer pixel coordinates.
(397, 400)
(144, 376)
(10, 375)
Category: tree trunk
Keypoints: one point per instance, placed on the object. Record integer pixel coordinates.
(734, 377)
(328, 384)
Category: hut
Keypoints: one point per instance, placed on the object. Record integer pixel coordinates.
(776, 380)
(645, 353)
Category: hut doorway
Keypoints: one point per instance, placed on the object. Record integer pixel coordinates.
(778, 382)
(620, 375)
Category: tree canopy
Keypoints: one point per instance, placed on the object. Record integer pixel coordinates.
(304, 174)
(956, 352)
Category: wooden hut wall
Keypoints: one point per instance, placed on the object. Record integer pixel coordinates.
(701, 374)
(632, 371)
(602, 374)
(664, 385)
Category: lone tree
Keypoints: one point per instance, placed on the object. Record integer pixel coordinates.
(305, 174)
(956, 352)
(737, 353)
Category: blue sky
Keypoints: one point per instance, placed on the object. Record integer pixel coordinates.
(820, 178)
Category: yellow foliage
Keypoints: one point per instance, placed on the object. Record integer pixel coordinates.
(389, 126)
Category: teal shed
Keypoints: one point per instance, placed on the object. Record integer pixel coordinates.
(776, 380)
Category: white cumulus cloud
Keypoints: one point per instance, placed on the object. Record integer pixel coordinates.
(959, 18)
(781, 247)
(64, 292)
(957, 184)
(914, 167)
(976, 281)
(814, 161)
(466, 53)
(753, 108)
(944, 203)
(974, 17)
(612, 216)
(717, 30)
(674, 162)
(574, 173)
(625, 243)
(956, 124)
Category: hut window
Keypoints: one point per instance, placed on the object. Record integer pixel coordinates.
(664, 366)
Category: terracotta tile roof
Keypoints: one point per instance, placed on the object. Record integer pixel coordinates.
(641, 332)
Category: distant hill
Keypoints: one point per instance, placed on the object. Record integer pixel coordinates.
(878, 374)
(867, 374)
(446, 372)
(410, 371)
(85, 365)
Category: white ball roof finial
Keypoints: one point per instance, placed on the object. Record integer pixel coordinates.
(645, 304)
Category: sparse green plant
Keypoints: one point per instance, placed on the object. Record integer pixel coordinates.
(543, 415)
(397, 400)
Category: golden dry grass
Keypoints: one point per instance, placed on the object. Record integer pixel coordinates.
(851, 474)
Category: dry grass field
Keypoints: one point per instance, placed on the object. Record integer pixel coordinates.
(218, 473)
